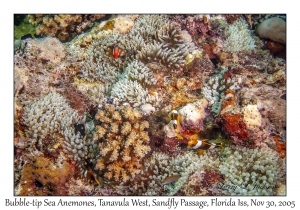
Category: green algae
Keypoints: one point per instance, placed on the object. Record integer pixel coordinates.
(25, 28)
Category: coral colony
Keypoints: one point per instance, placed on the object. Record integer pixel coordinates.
(150, 105)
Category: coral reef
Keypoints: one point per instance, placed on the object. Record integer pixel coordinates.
(215, 89)
(191, 120)
(23, 29)
(62, 26)
(133, 83)
(48, 115)
(160, 166)
(43, 178)
(248, 170)
(238, 37)
(123, 142)
(113, 110)
(273, 28)
(203, 183)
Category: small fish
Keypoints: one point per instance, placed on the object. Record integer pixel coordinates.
(171, 179)
(116, 52)
(89, 175)
(202, 145)
(79, 128)
(175, 118)
(38, 183)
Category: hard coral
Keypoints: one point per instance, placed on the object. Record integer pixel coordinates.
(273, 28)
(123, 142)
(63, 26)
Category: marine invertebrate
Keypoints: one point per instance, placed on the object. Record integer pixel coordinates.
(251, 171)
(123, 23)
(99, 50)
(100, 65)
(235, 127)
(199, 69)
(132, 87)
(215, 88)
(189, 120)
(159, 166)
(51, 115)
(199, 26)
(62, 26)
(273, 28)
(171, 49)
(238, 37)
(123, 142)
(102, 76)
(203, 183)
(270, 106)
(48, 115)
(281, 147)
(42, 65)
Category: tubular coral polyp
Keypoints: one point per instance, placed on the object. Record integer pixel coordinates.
(123, 142)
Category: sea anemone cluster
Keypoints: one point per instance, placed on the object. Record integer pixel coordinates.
(111, 110)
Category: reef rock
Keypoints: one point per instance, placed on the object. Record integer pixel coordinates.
(191, 117)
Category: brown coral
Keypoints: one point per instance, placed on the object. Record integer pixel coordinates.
(123, 142)
(62, 26)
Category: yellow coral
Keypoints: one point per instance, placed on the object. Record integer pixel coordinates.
(144, 124)
(116, 116)
(126, 128)
(110, 108)
(100, 132)
(123, 144)
(100, 164)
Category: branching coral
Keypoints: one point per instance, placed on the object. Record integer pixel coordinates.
(123, 142)
(63, 26)
(251, 171)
